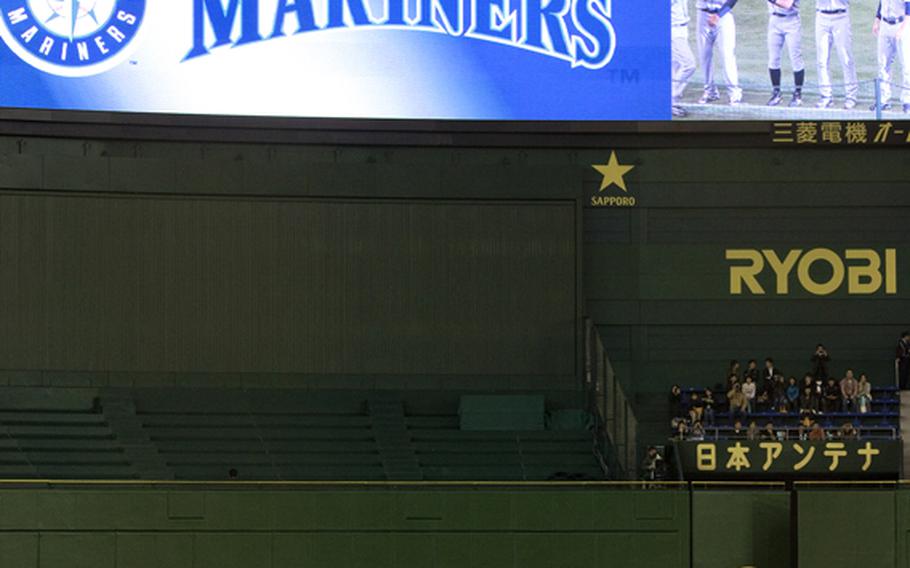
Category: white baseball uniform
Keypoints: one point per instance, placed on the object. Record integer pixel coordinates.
(784, 28)
(724, 35)
(832, 29)
(683, 66)
(892, 42)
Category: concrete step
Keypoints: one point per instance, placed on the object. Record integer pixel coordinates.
(393, 439)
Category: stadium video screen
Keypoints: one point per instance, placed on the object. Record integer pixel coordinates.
(459, 59)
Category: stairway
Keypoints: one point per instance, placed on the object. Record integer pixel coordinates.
(391, 433)
(905, 431)
(120, 413)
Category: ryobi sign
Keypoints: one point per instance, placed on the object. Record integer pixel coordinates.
(861, 271)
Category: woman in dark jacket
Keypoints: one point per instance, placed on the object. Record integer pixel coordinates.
(808, 402)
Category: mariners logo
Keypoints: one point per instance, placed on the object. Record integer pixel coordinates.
(72, 38)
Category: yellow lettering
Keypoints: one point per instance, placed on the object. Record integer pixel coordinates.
(706, 457)
(837, 267)
(613, 201)
(782, 268)
(890, 271)
(870, 272)
(745, 274)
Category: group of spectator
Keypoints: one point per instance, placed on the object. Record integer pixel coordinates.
(765, 389)
(808, 429)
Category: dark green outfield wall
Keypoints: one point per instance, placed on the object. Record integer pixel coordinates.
(459, 528)
(126, 263)
(286, 286)
(657, 282)
(741, 528)
(872, 527)
(344, 529)
(522, 253)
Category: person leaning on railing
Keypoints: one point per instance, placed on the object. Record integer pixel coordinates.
(848, 432)
(653, 466)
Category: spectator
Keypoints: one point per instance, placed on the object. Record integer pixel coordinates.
(698, 433)
(792, 395)
(675, 403)
(707, 400)
(753, 433)
(696, 407)
(849, 389)
(769, 372)
(733, 370)
(848, 432)
(765, 396)
(752, 371)
(768, 434)
(808, 383)
(682, 430)
(902, 360)
(732, 381)
(748, 390)
(808, 402)
(864, 394)
(805, 425)
(816, 434)
(831, 397)
(779, 394)
(738, 433)
(653, 467)
(738, 403)
(820, 361)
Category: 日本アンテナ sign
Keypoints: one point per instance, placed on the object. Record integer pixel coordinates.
(789, 458)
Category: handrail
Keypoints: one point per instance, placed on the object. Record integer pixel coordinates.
(614, 434)
(475, 484)
(787, 430)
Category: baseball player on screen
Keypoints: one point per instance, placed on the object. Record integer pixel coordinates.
(832, 29)
(716, 25)
(784, 27)
(683, 62)
(890, 26)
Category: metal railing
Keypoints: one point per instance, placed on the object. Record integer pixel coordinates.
(615, 425)
(868, 96)
(796, 433)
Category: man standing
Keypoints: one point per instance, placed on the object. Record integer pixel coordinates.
(683, 59)
(716, 25)
(903, 360)
(890, 27)
(832, 29)
(785, 27)
(769, 372)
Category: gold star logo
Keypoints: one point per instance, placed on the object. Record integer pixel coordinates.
(613, 172)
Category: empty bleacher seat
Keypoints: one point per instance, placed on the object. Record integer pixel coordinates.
(57, 435)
